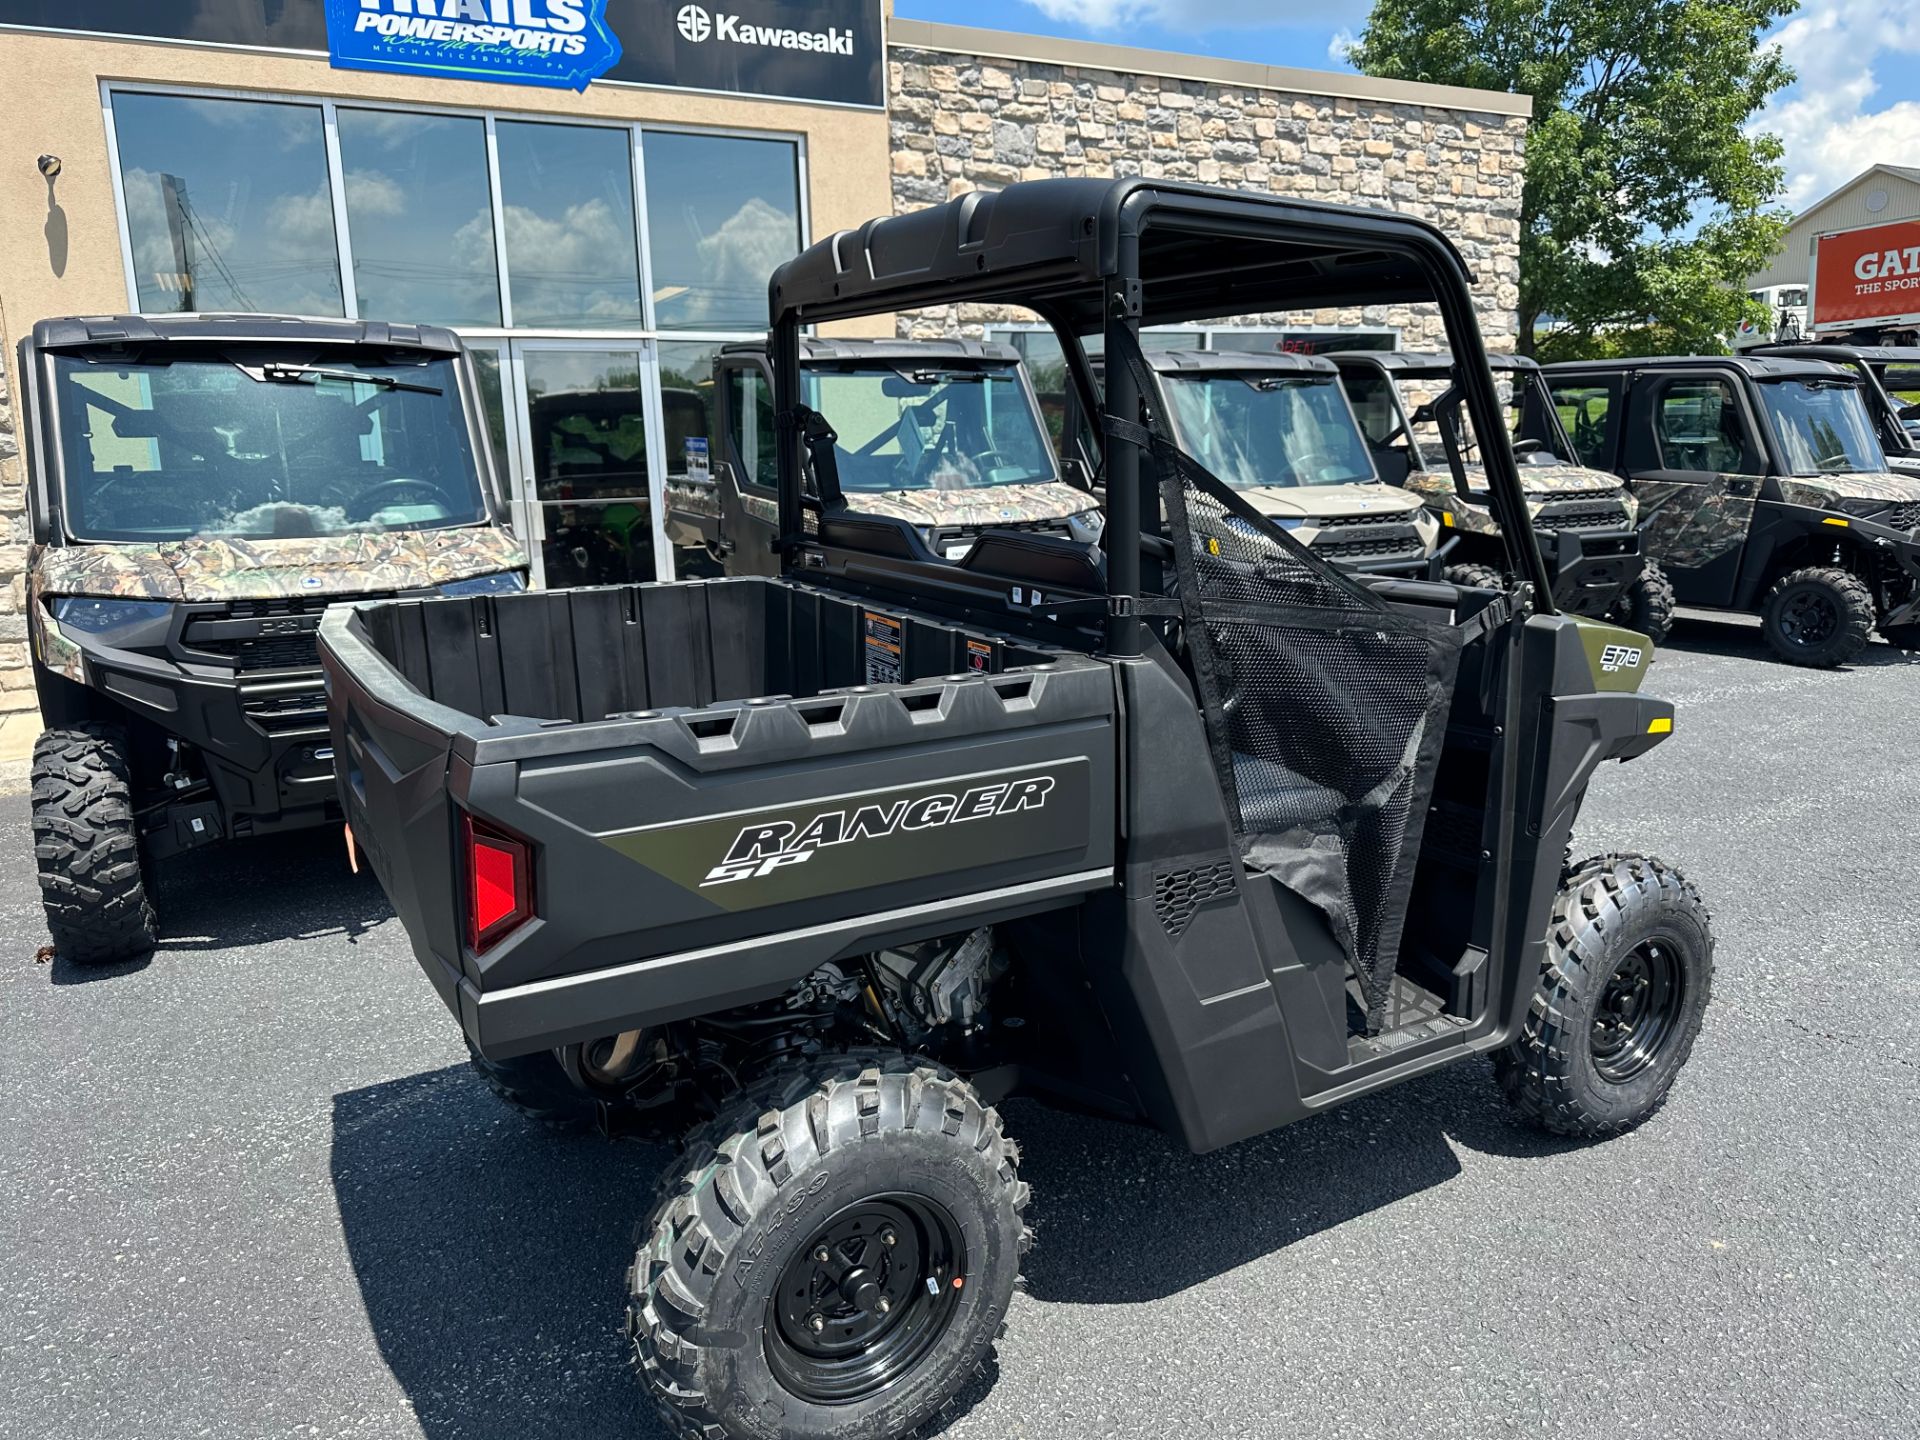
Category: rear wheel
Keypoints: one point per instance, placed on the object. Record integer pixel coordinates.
(1476, 577)
(1821, 616)
(1620, 999)
(1647, 604)
(538, 1088)
(87, 847)
(835, 1258)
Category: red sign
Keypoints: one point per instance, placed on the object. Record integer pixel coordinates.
(1867, 277)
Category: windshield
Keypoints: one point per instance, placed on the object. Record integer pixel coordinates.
(1254, 430)
(263, 445)
(931, 429)
(1822, 426)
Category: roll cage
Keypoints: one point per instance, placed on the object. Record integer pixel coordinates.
(1109, 258)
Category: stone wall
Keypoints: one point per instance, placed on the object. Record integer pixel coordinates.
(16, 674)
(963, 123)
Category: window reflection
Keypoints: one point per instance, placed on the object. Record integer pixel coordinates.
(227, 205)
(589, 441)
(722, 213)
(420, 216)
(566, 193)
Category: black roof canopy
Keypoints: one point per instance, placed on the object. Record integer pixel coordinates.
(1760, 367)
(1050, 244)
(1424, 362)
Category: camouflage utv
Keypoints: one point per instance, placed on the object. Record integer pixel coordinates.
(200, 489)
(1278, 430)
(1409, 410)
(943, 434)
(1762, 489)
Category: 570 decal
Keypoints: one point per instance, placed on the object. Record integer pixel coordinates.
(762, 848)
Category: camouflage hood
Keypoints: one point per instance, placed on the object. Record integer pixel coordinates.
(210, 568)
(1537, 482)
(1327, 502)
(985, 505)
(1823, 491)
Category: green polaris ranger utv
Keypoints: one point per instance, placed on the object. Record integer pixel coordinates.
(1584, 519)
(944, 434)
(812, 870)
(1762, 489)
(200, 489)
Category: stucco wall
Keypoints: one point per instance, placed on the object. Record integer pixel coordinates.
(964, 122)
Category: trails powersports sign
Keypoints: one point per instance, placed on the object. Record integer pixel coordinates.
(827, 51)
(516, 42)
(830, 51)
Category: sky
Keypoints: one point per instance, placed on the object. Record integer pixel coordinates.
(1857, 101)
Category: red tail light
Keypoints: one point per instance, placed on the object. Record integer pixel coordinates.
(499, 883)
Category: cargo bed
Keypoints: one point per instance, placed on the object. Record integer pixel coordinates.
(746, 771)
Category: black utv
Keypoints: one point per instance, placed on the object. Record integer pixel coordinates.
(814, 869)
(1762, 488)
(200, 489)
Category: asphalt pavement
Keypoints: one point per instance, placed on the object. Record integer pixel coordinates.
(248, 1188)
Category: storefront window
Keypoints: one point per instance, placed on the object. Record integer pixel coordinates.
(227, 205)
(722, 213)
(566, 193)
(588, 426)
(421, 217)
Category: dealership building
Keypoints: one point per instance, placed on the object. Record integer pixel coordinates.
(593, 192)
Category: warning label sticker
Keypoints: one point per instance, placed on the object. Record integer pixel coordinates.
(886, 649)
(979, 656)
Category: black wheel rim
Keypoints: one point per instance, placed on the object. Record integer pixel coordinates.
(1808, 618)
(865, 1299)
(1639, 1012)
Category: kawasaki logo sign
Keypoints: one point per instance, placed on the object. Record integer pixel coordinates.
(875, 837)
(697, 24)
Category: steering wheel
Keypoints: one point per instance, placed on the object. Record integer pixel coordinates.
(1313, 461)
(370, 499)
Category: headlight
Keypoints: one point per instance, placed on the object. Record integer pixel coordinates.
(1087, 527)
(119, 623)
(1861, 507)
(1427, 524)
(506, 582)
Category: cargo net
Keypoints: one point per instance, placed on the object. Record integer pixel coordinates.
(1325, 710)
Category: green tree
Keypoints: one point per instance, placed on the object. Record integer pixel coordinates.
(1646, 198)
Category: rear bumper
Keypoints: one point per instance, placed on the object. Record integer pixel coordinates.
(542, 1014)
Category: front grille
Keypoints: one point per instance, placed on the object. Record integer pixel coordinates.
(1361, 537)
(265, 634)
(1904, 516)
(1582, 515)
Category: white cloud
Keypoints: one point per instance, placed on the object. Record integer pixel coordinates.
(1340, 47)
(1825, 121)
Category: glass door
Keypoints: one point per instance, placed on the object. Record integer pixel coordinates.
(588, 475)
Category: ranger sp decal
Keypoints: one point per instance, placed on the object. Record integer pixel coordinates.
(761, 849)
(832, 847)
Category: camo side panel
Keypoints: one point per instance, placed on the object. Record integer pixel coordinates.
(1688, 525)
(1821, 491)
(50, 647)
(696, 500)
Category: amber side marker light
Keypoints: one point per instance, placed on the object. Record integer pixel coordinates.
(499, 876)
